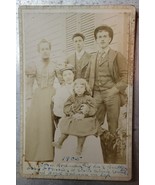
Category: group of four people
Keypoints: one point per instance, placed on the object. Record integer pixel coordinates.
(80, 106)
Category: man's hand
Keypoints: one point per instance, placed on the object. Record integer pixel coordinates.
(112, 91)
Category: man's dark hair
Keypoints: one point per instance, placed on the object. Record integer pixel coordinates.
(104, 28)
(78, 35)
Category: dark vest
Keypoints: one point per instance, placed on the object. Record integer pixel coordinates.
(103, 78)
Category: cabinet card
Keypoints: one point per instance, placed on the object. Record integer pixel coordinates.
(76, 91)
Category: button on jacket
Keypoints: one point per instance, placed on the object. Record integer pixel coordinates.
(117, 69)
(80, 65)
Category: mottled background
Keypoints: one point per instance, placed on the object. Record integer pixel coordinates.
(135, 179)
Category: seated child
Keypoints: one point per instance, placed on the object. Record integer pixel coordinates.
(80, 120)
(63, 92)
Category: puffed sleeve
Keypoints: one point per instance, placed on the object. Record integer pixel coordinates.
(30, 69)
(30, 72)
(69, 108)
(92, 106)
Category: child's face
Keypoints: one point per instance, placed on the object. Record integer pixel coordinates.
(79, 89)
(68, 76)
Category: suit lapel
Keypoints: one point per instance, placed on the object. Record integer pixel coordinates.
(103, 60)
(112, 66)
(92, 70)
(84, 60)
(72, 59)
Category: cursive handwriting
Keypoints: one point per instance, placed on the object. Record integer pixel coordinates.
(71, 158)
(80, 169)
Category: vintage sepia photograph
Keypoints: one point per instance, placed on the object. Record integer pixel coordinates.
(76, 91)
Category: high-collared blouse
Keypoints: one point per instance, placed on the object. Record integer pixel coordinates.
(44, 73)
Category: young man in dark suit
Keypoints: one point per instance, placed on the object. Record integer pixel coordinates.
(107, 76)
(80, 58)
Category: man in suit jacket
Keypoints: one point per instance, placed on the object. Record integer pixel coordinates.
(80, 59)
(107, 77)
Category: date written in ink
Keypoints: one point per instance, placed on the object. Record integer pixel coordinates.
(71, 158)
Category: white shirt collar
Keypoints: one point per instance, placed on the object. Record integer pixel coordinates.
(105, 51)
(79, 54)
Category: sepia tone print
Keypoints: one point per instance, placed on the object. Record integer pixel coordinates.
(77, 81)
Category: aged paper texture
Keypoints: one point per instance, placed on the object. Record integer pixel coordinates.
(76, 91)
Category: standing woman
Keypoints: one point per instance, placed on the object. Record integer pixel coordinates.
(39, 122)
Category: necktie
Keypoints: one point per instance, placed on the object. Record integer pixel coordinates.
(100, 56)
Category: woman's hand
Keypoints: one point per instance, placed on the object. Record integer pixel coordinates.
(84, 109)
(78, 116)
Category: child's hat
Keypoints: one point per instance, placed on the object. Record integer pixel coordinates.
(67, 67)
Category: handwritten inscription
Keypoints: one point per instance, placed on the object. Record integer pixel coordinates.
(83, 169)
(68, 158)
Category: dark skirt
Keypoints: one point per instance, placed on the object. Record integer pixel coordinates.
(85, 127)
